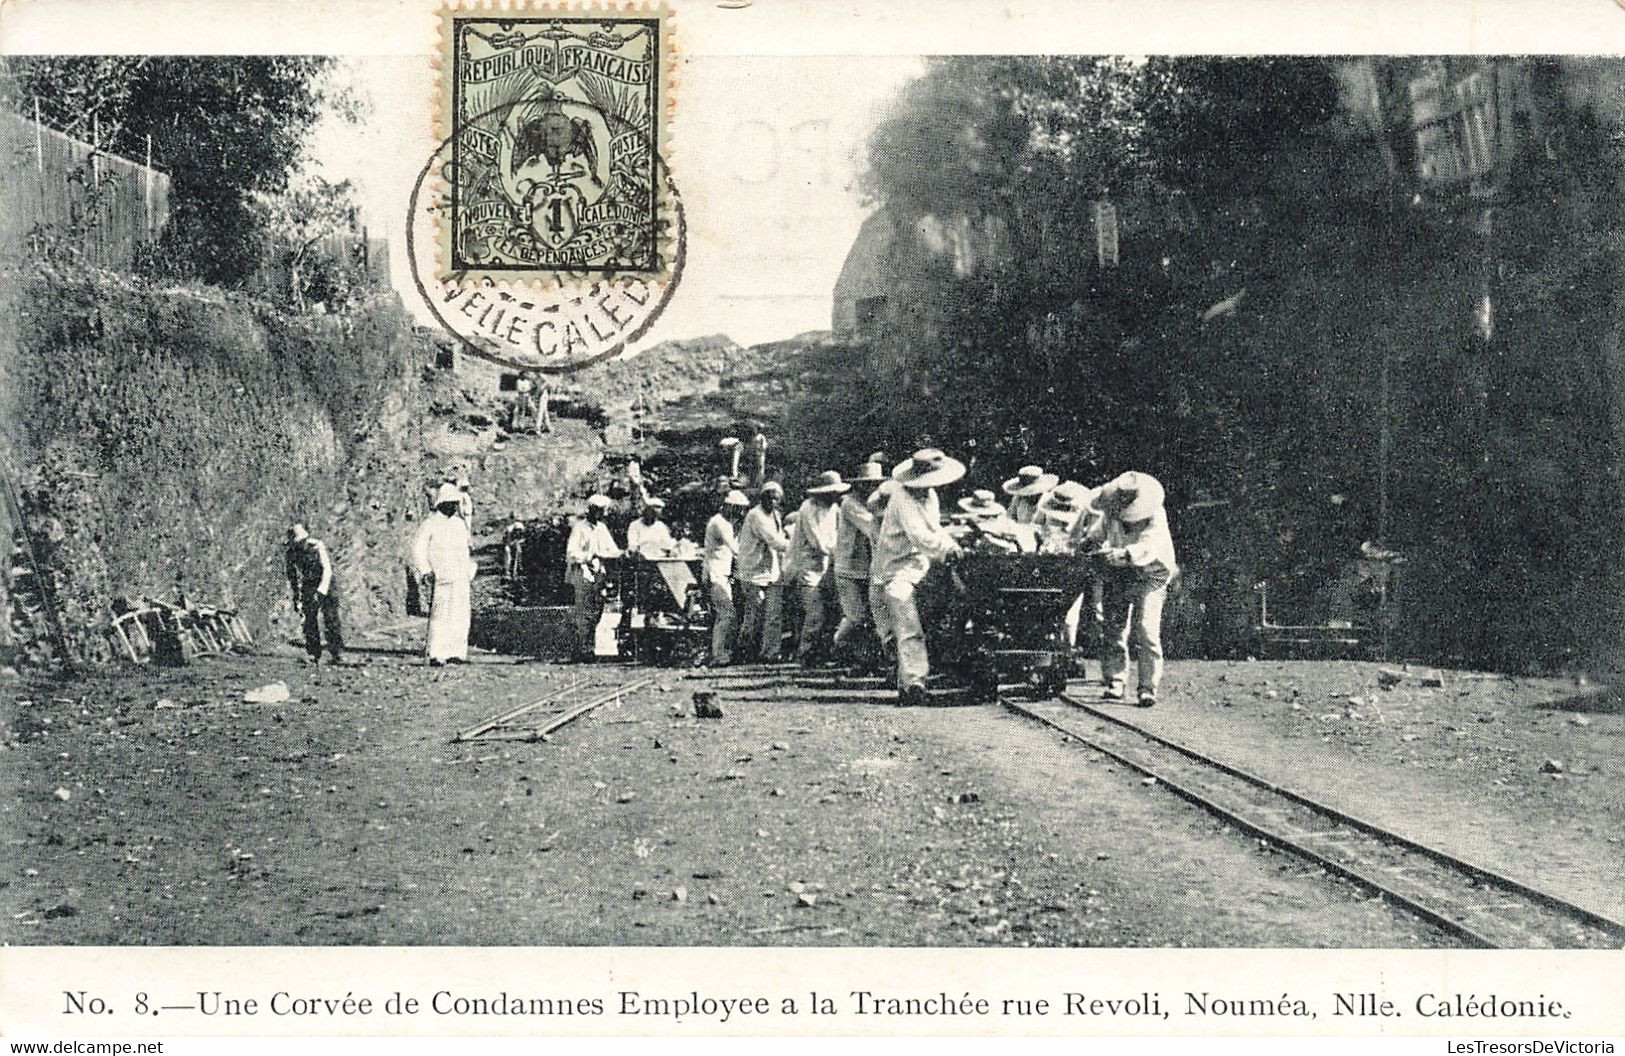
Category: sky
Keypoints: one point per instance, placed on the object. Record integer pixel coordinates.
(765, 151)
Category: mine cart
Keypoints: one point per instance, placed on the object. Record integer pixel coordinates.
(1011, 623)
(664, 618)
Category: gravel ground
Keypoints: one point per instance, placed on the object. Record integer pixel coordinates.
(151, 807)
(1526, 775)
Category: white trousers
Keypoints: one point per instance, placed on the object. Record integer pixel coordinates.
(1134, 608)
(902, 626)
(448, 621)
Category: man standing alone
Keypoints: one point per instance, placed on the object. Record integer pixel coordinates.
(441, 554)
(310, 574)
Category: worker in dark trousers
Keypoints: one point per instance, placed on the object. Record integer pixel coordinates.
(310, 574)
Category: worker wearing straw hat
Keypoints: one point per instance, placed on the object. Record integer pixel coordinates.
(721, 549)
(1026, 489)
(440, 552)
(1139, 556)
(855, 529)
(911, 538)
(760, 572)
(589, 544)
(814, 556)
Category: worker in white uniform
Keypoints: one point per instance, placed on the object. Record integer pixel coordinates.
(590, 543)
(813, 558)
(1026, 489)
(759, 570)
(912, 538)
(648, 536)
(855, 529)
(717, 565)
(1140, 563)
(440, 554)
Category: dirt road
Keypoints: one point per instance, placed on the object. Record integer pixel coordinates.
(157, 807)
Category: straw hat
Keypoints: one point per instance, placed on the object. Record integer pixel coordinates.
(772, 486)
(871, 473)
(928, 468)
(829, 483)
(982, 503)
(735, 498)
(1066, 502)
(1132, 496)
(1030, 480)
(600, 502)
(448, 493)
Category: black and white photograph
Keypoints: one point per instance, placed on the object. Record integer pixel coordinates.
(572, 490)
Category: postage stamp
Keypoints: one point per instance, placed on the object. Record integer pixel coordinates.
(555, 119)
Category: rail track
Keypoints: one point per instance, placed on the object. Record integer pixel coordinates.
(537, 720)
(1478, 905)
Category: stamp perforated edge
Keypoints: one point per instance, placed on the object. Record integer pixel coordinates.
(557, 283)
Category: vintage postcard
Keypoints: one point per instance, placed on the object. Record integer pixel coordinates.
(692, 519)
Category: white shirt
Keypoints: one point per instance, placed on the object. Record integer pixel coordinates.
(441, 547)
(588, 542)
(762, 544)
(814, 542)
(721, 546)
(1150, 550)
(650, 540)
(911, 537)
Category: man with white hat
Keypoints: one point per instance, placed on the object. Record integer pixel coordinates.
(590, 543)
(855, 528)
(760, 570)
(648, 536)
(814, 554)
(991, 526)
(440, 553)
(1139, 556)
(721, 548)
(1026, 489)
(911, 538)
(310, 574)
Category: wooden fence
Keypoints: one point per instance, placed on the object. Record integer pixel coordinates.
(54, 187)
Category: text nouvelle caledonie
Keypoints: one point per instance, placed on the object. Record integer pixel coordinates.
(573, 329)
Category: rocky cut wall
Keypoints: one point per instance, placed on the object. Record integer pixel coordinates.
(161, 440)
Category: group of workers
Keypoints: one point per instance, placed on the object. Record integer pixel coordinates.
(863, 545)
(860, 546)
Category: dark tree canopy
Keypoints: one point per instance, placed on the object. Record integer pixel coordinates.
(222, 127)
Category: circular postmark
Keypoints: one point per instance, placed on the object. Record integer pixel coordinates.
(549, 321)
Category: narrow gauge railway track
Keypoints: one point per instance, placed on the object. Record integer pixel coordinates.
(537, 720)
(1477, 904)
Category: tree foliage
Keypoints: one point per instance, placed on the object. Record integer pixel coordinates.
(225, 129)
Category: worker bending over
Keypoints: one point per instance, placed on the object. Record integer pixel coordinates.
(1139, 563)
(912, 538)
